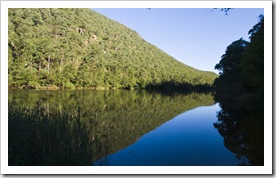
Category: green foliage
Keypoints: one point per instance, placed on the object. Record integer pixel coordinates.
(240, 91)
(241, 68)
(79, 48)
(253, 61)
(230, 82)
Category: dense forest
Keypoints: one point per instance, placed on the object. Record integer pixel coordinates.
(79, 127)
(240, 92)
(241, 79)
(79, 48)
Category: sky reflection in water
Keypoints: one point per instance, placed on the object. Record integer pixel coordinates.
(188, 139)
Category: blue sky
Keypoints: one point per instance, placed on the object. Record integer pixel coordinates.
(197, 37)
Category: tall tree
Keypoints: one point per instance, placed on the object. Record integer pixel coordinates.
(230, 81)
(252, 65)
(242, 70)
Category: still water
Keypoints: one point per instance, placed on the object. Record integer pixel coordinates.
(124, 128)
(189, 139)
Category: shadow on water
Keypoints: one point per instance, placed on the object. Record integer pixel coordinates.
(241, 123)
(171, 87)
(78, 127)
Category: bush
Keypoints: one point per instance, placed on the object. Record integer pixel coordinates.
(33, 85)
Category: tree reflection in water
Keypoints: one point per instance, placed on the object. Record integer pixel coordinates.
(78, 127)
(243, 130)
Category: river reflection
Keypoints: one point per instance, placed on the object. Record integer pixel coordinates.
(242, 127)
(189, 139)
(80, 127)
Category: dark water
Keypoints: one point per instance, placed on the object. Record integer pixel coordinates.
(118, 128)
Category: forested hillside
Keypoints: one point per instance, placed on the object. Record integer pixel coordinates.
(79, 48)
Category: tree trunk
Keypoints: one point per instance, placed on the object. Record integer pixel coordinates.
(49, 60)
(60, 65)
(39, 66)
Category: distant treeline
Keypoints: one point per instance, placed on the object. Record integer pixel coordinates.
(79, 48)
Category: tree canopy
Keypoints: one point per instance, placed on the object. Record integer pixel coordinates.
(240, 91)
(241, 69)
(79, 48)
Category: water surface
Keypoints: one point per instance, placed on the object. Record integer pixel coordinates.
(115, 128)
(189, 139)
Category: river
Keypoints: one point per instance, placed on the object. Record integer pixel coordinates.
(116, 127)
